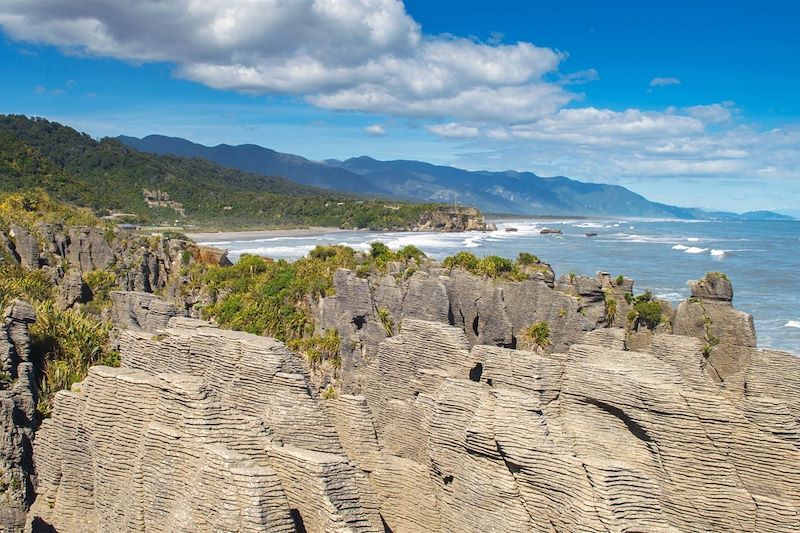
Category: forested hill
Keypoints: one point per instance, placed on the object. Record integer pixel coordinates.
(106, 175)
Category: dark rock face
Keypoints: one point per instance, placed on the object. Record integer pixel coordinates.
(17, 416)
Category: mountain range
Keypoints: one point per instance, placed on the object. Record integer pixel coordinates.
(505, 192)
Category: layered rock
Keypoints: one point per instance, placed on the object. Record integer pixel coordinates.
(201, 430)
(728, 334)
(207, 430)
(18, 393)
(494, 312)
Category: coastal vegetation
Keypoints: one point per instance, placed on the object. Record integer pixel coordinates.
(64, 343)
(273, 298)
(645, 310)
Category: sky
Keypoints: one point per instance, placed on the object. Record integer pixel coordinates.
(693, 103)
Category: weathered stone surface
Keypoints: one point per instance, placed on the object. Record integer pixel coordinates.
(489, 311)
(209, 255)
(201, 430)
(73, 290)
(141, 311)
(713, 287)
(208, 430)
(88, 249)
(17, 416)
(26, 247)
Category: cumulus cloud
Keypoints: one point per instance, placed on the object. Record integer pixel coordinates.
(375, 130)
(453, 130)
(660, 82)
(362, 55)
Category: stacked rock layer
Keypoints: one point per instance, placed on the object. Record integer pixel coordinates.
(209, 430)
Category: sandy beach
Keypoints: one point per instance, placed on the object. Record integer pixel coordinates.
(225, 236)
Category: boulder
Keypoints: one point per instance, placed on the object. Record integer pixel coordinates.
(715, 287)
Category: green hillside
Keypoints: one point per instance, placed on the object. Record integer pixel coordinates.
(107, 176)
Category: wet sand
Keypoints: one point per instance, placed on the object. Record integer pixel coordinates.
(227, 236)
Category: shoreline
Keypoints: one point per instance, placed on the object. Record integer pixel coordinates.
(225, 236)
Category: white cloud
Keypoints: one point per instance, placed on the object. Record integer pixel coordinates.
(375, 130)
(660, 82)
(453, 130)
(359, 55)
(713, 113)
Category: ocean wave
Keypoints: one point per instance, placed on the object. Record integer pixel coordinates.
(680, 247)
(277, 252)
(695, 250)
(593, 225)
(792, 324)
(670, 296)
(692, 239)
(719, 253)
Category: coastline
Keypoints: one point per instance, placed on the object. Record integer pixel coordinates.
(225, 236)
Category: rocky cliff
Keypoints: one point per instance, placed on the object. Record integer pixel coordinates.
(210, 430)
(445, 416)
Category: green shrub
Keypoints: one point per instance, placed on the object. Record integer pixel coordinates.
(494, 266)
(526, 259)
(619, 280)
(379, 250)
(411, 252)
(466, 260)
(538, 334)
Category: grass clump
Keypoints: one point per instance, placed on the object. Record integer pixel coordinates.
(386, 320)
(538, 335)
(100, 283)
(67, 344)
(319, 348)
(610, 305)
(619, 280)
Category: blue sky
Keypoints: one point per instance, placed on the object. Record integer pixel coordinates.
(692, 103)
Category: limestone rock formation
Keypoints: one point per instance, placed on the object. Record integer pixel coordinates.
(495, 312)
(17, 416)
(141, 311)
(728, 334)
(212, 430)
(202, 430)
(447, 218)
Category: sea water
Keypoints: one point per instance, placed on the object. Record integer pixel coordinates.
(762, 258)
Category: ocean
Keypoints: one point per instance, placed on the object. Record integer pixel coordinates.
(762, 258)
